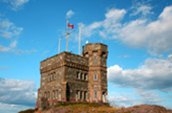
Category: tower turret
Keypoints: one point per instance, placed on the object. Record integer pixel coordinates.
(97, 85)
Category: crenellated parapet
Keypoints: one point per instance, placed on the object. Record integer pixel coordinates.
(97, 55)
(64, 59)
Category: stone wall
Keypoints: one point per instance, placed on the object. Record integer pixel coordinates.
(74, 78)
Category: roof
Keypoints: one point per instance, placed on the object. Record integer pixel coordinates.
(61, 54)
(95, 44)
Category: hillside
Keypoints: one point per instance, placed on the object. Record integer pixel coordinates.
(96, 108)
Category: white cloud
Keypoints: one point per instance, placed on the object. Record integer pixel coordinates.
(9, 29)
(69, 14)
(12, 108)
(90, 29)
(12, 49)
(153, 74)
(131, 98)
(17, 92)
(19, 51)
(115, 14)
(112, 18)
(15, 4)
(120, 101)
(141, 9)
(11, 46)
(10, 33)
(149, 97)
(155, 36)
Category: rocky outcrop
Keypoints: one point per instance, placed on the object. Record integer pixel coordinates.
(144, 109)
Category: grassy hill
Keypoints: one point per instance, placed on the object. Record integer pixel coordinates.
(100, 108)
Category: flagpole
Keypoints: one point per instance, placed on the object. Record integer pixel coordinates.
(67, 34)
(79, 39)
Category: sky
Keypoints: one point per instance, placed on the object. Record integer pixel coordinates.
(138, 34)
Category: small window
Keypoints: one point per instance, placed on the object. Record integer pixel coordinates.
(56, 93)
(78, 75)
(54, 77)
(85, 77)
(95, 77)
(80, 94)
(50, 78)
(52, 94)
(85, 95)
(95, 94)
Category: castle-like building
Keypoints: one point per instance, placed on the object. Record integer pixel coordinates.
(67, 77)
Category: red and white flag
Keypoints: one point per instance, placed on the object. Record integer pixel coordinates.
(70, 25)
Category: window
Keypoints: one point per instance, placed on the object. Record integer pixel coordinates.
(95, 77)
(78, 75)
(56, 94)
(45, 94)
(53, 94)
(85, 77)
(80, 94)
(81, 76)
(77, 95)
(85, 95)
(51, 77)
(95, 94)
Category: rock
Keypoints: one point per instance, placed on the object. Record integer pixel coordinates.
(144, 109)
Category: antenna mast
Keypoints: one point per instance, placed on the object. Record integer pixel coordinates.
(79, 39)
(67, 34)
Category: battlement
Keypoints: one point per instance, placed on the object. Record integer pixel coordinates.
(62, 59)
(95, 48)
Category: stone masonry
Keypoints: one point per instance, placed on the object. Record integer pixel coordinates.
(67, 77)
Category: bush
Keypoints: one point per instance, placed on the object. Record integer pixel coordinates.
(28, 111)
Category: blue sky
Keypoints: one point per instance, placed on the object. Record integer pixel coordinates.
(138, 34)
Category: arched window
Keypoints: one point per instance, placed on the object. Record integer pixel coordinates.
(85, 77)
(77, 95)
(78, 75)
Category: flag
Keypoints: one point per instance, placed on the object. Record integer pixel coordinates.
(70, 25)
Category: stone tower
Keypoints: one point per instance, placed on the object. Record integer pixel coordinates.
(97, 85)
(67, 77)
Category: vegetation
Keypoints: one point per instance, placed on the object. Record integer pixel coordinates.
(28, 111)
(81, 108)
(99, 108)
